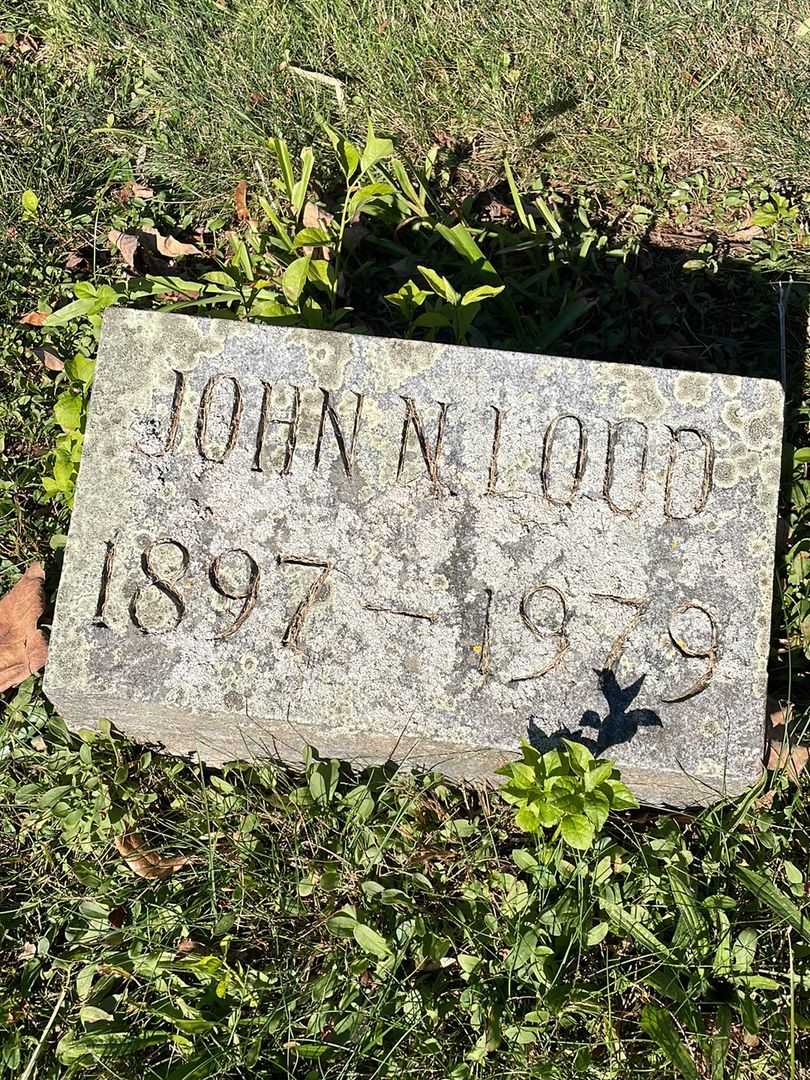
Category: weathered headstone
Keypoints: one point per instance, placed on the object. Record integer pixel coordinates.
(387, 548)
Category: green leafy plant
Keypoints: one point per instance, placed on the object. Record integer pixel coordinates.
(566, 790)
(70, 415)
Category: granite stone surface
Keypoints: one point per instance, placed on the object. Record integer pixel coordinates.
(419, 551)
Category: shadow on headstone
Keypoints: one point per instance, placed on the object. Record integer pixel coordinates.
(619, 724)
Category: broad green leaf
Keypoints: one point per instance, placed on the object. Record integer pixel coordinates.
(298, 195)
(94, 1045)
(84, 981)
(407, 298)
(461, 239)
(483, 292)
(271, 309)
(548, 813)
(568, 803)
(366, 195)
(597, 808)
(569, 314)
(524, 859)
(621, 797)
(720, 1043)
(550, 217)
(375, 149)
(686, 901)
(323, 273)
(30, 202)
(68, 411)
(667, 981)
(342, 922)
(527, 819)
(440, 285)
(598, 772)
(310, 237)
(63, 473)
(577, 831)
(349, 158)
(628, 924)
(744, 949)
(432, 319)
(660, 1026)
(579, 756)
(81, 369)
(90, 1014)
(282, 154)
(414, 198)
(767, 893)
(370, 941)
(597, 933)
(468, 963)
(70, 311)
(526, 221)
(294, 279)
(276, 222)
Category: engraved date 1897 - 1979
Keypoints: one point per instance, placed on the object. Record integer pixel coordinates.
(168, 584)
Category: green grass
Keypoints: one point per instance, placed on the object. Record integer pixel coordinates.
(604, 93)
(329, 925)
(334, 925)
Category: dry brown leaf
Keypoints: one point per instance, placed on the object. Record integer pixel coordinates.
(185, 945)
(751, 232)
(174, 249)
(133, 190)
(23, 648)
(240, 201)
(145, 862)
(34, 318)
(74, 260)
(49, 359)
(127, 244)
(315, 217)
(7, 39)
(783, 755)
(781, 752)
(119, 916)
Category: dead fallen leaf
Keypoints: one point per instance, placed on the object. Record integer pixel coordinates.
(185, 945)
(744, 236)
(74, 260)
(119, 916)
(171, 248)
(28, 951)
(240, 201)
(784, 755)
(23, 648)
(145, 862)
(34, 318)
(781, 752)
(7, 39)
(133, 190)
(49, 359)
(174, 297)
(315, 217)
(127, 244)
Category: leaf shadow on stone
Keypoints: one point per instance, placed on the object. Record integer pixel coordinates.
(618, 725)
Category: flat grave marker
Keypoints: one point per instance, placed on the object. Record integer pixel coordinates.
(390, 548)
